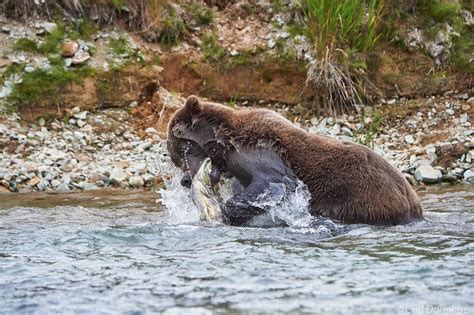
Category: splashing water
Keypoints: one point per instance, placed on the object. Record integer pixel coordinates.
(285, 208)
(177, 199)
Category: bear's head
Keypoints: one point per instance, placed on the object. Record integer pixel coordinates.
(190, 136)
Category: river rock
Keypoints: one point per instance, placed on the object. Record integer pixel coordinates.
(34, 181)
(55, 183)
(150, 131)
(427, 174)
(50, 27)
(148, 179)
(42, 185)
(81, 115)
(78, 135)
(136, 182)
(469, 176)
(69, 48)
(80, 58)
(63, 187)
(347, 131)
(80, 123)
(409, 139)
(117, 176)
(146, 145)
(87, 186)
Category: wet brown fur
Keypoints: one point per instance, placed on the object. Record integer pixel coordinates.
(348, 182)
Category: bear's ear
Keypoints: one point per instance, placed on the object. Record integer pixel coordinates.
(192, 106)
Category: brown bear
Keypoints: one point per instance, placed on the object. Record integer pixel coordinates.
(263, 151)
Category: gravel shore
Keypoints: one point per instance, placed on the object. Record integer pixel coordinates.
(86, 151)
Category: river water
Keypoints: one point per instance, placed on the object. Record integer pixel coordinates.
(114, 252)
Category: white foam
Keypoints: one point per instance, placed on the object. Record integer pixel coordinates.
(177, 199)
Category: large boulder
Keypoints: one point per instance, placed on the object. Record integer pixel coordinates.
(428, 175)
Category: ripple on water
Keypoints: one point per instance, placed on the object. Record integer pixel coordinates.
(127, 258)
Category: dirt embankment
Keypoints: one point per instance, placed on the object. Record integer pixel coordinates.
(224, 50)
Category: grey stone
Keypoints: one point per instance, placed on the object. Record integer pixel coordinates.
(347, 131)
(29, 69)
(335, 130)
(78, 135)
(146, 145)
(80, 58)
(55, 183)
(49, 27)
(409, 139)
(88, 186)
(314, 121)
(148, 179)
(150, 130)
(427, 174)
(80, 123)
(136, 182)
(81, 115)
(48, 162)
(63, 187)
(469, 176)
(458, 172)
(56, 155)
(7, 89)
(42, 185)
(117, 176)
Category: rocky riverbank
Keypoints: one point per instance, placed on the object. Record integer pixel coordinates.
(83, 152)
(430, 140)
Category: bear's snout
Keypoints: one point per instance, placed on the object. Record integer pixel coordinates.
(186, 181)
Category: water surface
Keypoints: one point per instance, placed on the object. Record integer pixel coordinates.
(120, 252)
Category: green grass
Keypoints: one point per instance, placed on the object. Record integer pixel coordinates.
(120, 45)
(201, 13)
(26, 44)
(277, 5)
(233, 101)
(367, 135)
(83, 29)
(46, 86)
(338, 24)
(462, 52)
(211, 49)
(343, 33)
(52, 40)
(440, 11)
(173, 29)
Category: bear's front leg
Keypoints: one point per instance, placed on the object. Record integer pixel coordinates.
(240, 209)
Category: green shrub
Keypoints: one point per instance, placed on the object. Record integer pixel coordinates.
(52, 41)
(342, 32)
(26, 44)
(202, 14)
(343, 23)
(440, 11)
(211, 50)
(172, 28)
(46, 85)
(120, 45)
